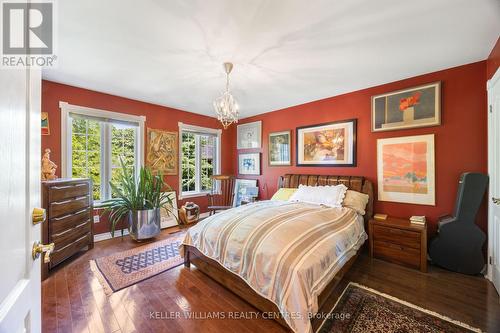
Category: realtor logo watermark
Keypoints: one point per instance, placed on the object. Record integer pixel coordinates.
(28, 34)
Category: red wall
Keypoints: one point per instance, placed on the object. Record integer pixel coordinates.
(460, 142)
(493, 61)
(157, 117)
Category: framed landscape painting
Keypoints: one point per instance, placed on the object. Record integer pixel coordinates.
(279, 147)
(249, 135)
(163, 155)
(249, 164)
(415, 107)
(406, 169)
(331, 144)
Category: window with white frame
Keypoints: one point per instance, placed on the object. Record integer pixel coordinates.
(96, 141)
(200, 159)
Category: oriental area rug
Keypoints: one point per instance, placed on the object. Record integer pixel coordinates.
(361, 309)
(126, 268)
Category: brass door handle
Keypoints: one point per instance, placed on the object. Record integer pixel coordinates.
(496, 201)
(38, 248)
(38, 216)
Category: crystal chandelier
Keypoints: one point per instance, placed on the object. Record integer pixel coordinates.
(225, 105)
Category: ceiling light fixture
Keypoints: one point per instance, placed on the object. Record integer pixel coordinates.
(225, 105)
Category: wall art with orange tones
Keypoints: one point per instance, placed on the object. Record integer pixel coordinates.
(410, 108)
(45, 123)
(406, 169)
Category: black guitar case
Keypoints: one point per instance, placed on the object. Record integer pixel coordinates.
(459, 242)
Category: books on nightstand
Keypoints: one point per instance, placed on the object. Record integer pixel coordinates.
(420, 220)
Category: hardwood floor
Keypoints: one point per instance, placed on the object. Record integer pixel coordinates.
(74, 301)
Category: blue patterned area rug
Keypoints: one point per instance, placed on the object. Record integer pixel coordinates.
(126, 268)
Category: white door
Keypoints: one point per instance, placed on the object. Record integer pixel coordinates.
(494, 171)
(19, 193)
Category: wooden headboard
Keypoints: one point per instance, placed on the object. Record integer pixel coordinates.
(355, 183)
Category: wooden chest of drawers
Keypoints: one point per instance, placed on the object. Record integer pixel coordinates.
(399, 241)
(68, 203)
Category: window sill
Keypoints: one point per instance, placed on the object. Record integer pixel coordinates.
(97, 204)
(193, 195)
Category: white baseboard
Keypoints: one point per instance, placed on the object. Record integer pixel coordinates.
(107, 235)
(118, 233)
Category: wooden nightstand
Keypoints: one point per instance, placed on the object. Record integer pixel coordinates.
(399, 241)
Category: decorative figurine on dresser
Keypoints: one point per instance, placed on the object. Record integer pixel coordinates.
(48, 167)
(68, 203)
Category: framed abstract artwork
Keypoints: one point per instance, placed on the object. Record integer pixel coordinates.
(163, 153)
(279, 147)
(170, 216)
(249, 135)
(415, 107)
(330, 144)
(249, 164)
(45, 123)
(244, 189)
(406, 169)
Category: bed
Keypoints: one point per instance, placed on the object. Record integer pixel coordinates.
(284, 258)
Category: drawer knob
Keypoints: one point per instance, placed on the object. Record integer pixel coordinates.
(38, 216)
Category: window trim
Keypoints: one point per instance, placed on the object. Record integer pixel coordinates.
(207, 130)
(66, 134)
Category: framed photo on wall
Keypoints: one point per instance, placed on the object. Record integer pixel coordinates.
(330, 144)
(406, 169)
(249, 164)
(249, 135)
(279, 147)
(415, 107)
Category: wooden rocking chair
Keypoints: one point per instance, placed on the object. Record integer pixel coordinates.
(222, 194)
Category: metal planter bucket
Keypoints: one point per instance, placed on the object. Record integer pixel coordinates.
(144, 224)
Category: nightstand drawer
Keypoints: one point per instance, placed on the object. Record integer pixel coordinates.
(406, 238)
(397, 253)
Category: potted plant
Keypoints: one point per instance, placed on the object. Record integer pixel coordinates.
(139, 199)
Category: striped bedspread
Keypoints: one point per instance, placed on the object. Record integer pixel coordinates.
(286, 251)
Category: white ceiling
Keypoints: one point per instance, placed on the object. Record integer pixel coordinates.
(286, 52)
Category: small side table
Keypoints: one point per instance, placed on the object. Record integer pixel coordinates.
(399, 241)
(189, 213)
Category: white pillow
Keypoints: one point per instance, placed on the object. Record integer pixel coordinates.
(331, 196)
(356, 200)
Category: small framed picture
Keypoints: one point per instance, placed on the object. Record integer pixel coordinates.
(279, 147)
(169, 216)
(249, 164)
(45, 123)
(244, 189)
(410, 108)
(329, 144)
(249, 135)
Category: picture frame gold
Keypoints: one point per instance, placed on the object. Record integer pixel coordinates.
(414, 107)
(163, 151)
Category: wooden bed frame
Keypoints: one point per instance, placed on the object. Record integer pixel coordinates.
(238, 286)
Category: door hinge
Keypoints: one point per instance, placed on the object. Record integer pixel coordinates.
(491, 108)
(491, 260)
